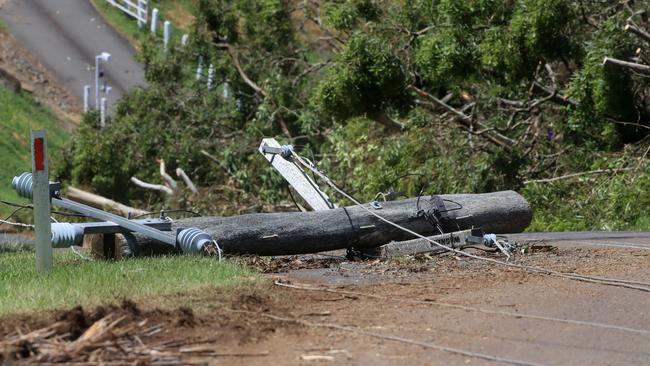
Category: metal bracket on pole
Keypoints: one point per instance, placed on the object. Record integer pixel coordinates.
(119, 220)
(295, 176)
(41, 201)
(189, 240)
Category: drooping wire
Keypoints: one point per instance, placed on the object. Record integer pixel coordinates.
(424, 182)
(31, 207)
(12, 214)
(535, 269)
(468, 308)
(196, 214)
(293, 198)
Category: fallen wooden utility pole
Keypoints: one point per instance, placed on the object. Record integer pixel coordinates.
(318, 231)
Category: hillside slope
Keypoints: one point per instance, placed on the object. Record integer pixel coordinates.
(19, 113)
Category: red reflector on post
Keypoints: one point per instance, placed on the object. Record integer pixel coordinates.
(39, 155)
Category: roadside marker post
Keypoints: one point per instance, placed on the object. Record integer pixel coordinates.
(102, 113)
(86, 98)
(199, 69)
(210, 76)
(41, 201)
(167, 32)
(154, 20)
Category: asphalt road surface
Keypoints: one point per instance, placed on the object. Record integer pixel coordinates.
(468, 283)
(66, 35)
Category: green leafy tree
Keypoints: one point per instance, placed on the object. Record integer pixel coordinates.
(473, 95)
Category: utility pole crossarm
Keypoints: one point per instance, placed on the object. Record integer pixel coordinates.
(296, 177)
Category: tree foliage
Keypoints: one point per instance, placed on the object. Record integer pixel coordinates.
(487, 95)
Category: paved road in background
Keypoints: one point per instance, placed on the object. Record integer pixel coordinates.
(66, 35)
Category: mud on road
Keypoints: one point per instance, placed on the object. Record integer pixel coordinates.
(373, 312)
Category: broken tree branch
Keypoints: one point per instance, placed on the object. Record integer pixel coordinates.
(240, 70)
(640, 54)
(219, 163)
(467, 122)
(556, 98)
(96, 200)
(188, 182)
(626, 64)
(312, 68)
(573, 175)
(387, 121)
(155, 187)
(169, 181)
(632, 28)
(258, 89)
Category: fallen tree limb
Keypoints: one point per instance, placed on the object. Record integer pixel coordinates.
(555, 97)
(104, 203)
(467, 122)
(155, 187)
(573, 175)
(169, 181)
(626, 64)
(319, 231)
(240, 69)
(188, 182)
(387, 121)
(640, 54)
(638, 32)
(219, 163)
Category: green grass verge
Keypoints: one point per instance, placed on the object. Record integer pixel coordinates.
(19, 113)
(617, 202)
(79, 282)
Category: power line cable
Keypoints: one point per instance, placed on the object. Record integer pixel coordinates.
(12, 214)
(467, 308)
(535, 269)
(196, 214)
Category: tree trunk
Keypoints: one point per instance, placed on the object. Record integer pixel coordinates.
(318, 231)
(387, 121)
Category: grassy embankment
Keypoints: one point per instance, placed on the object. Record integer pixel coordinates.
(19, 113)
(75, 281)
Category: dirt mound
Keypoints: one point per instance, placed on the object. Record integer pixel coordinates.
(128, 333)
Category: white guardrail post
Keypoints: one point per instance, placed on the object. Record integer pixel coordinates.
(142, 13)
(136, 8)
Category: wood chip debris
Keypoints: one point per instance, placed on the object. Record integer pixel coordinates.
(110, 340)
